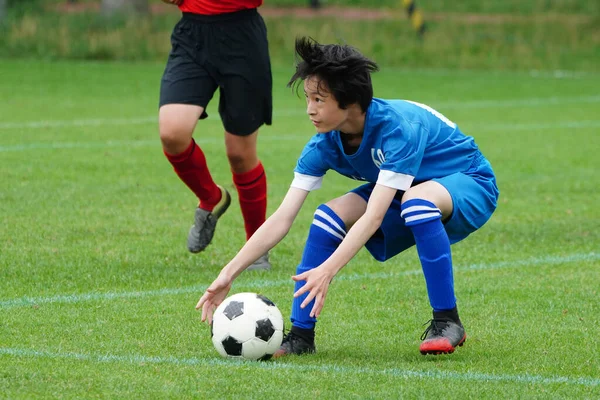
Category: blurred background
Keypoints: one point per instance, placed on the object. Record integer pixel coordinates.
(474, 34)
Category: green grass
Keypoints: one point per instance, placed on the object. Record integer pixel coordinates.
(560, 35)
(474, 6)
(467, 6)
(98, 291)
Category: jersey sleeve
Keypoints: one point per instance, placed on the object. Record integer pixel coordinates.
(310, 168)
(403, 147)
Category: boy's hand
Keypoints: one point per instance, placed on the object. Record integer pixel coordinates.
(214, 295)
(317, 284)
(176, 2)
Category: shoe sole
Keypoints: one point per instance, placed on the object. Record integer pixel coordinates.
(279, 354)
(218, 213)
(282, 353)
(449, 351)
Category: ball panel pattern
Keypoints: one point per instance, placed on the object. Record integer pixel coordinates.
(264, 329)
(231, 346)
(248, 326)
(265, 300)
(234, 309)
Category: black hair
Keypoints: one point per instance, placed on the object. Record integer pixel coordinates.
(345, 71)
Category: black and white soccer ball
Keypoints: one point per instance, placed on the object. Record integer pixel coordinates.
(247, 326)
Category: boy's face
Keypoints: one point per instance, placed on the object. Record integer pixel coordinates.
(322, 107)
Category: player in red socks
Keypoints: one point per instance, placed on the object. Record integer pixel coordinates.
(198, 64)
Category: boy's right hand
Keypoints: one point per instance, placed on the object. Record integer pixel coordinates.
(176, 2)
(214, 295)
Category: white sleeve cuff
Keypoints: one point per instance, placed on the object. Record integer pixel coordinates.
(306, 182)
(395, 180)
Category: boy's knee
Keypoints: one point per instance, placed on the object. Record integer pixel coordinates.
(349, 208)
(174, 140)
(176, 123)
(331, 205)
(175, 136)
(326, 218)
(416, 211)
(328, 209)
(417, 192)
(241, 161)
(433, 192)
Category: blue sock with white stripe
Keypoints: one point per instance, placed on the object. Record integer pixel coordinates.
(425, 221)
(325, 235)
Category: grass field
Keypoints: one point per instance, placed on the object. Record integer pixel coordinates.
(97, 289)
(500, 35)
(469, 6)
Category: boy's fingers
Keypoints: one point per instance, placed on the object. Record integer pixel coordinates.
(299, 277)
(201, 301)
(301, 291)
(203, 318)
(308, 299)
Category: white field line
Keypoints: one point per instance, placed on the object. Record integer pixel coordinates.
(560, 74)
(534, 73)
(479, 104)
(397, 373)
(79, 122)
(260, 284)
(507, 128)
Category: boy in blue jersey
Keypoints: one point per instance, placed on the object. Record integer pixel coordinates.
(427, 184)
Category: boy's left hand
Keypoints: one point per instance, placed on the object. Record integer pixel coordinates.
(317, 284)
(214, 295)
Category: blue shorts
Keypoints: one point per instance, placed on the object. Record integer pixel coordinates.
(474, 198)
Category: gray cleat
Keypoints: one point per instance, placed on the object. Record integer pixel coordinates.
(205, 222)
(442, 337)
(261, 264)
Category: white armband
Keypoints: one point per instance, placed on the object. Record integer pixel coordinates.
(395, 180)
(306, 182)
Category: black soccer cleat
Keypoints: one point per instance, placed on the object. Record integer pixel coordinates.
(295, 344)
(442, 337)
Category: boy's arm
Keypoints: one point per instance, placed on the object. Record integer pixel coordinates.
(318, 279)
(271, 232)
(363, 229)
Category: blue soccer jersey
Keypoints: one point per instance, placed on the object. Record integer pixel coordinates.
(403, 142)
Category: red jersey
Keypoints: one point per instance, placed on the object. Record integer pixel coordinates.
(212, 7)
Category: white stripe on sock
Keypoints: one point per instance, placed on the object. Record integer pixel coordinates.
(418, 208)
(327, 228)
(422, 216)
(333, 222)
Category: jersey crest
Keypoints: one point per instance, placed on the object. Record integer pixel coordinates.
(377, 157)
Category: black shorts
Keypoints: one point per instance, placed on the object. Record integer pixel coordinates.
(228, 51)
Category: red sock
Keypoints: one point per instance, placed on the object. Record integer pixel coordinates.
(191, 168)
(252, 192)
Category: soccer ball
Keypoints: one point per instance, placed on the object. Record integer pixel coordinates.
(247, 326)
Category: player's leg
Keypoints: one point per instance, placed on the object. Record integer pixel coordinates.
(330, 224)
(250, 181)
(466, 202)
(424, 207)
(244, 76)
(186, 88)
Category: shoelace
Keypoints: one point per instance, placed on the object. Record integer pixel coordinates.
(436, 326)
